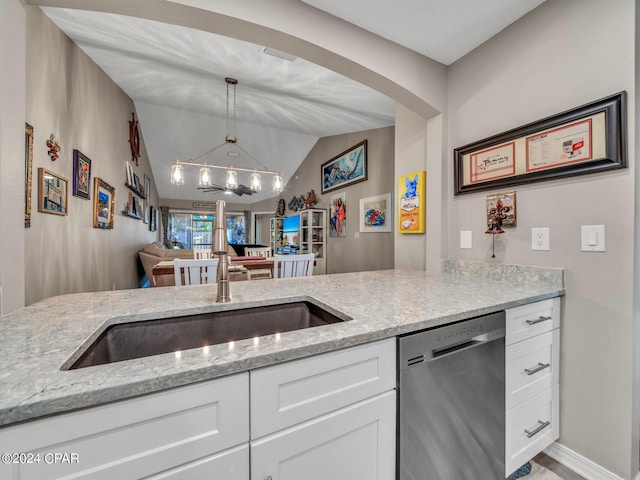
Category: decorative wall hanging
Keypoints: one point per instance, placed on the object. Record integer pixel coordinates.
(54, 147)
(296, 203)
(345, 169)
(310, 200)
(52, 193)
(280, 209)
(134, 139)
(588, 139)
(338, 224)
(103, 204)
(412, 203)
(81, 175)
(376, 213)
(504, 204)
(28, 168)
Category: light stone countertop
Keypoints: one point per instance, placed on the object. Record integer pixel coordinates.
(37, 340)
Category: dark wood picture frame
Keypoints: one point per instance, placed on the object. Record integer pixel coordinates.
(81, 175)
(345, 169)
(591, 138)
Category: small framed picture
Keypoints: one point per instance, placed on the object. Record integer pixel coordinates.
(103, 204)
(52, 192)
(81, 175)
(504, 205)
(376, 213)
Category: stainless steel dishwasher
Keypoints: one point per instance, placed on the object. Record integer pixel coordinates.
(451, 415)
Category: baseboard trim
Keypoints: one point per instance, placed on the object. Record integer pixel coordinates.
(581, 465)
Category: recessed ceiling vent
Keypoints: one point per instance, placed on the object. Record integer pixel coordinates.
(277, 53)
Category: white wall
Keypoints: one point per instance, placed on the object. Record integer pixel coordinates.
(563, 54)
(12, 115)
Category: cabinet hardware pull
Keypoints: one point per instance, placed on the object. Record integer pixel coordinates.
(538, 320)
(536, 369)
(540, 426)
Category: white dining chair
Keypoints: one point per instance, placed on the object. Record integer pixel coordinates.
(258, 252)
(202, 253)
(293, 265)
(194, 272)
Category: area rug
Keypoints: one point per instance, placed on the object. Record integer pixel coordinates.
(533, 471)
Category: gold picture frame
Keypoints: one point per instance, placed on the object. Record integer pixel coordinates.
(53, 193)
(28, 175)
(103, 204)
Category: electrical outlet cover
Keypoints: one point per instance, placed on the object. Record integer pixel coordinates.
(540, 238)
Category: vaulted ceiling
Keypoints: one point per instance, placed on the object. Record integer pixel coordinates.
(175, 76)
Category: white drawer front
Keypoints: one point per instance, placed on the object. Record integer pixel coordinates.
(290, 393)
(533, 319)
(532, 366)
(138, 437)
(531, 417)
(232, 464)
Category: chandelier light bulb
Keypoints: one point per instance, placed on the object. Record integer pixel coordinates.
(232, 179)
(204, 178)
(277, 183)
(177, 174)
(256, 183)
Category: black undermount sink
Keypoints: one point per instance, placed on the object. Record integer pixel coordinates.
(126, 341)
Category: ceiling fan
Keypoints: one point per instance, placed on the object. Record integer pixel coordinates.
(239, 190)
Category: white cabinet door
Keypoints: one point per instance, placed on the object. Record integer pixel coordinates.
(139, 437)
(356, 442)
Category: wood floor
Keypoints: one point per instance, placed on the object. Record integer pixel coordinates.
(557, 468)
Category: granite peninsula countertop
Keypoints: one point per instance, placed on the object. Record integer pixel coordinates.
(38, 340)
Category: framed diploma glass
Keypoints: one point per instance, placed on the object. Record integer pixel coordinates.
(588, 139)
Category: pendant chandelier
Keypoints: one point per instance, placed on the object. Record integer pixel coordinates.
(205, 178)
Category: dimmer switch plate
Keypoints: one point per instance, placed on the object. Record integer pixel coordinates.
(466, 239)
(593, 238)
(540, 238)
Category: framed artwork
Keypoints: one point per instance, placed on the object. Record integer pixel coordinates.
(376, 213)
(153, 218)
(103, 204)
(345, 169)
(587, 139)
(81, 175)
(52, 193)
(505, 205)
(129, 170)
(412, 203)
(147, 186)
(145, 207)
(28, 168)
(338, 224)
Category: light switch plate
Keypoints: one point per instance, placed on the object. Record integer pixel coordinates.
(593, 238)
(466, 238)
(540, 238)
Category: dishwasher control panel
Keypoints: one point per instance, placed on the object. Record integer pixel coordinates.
(441, 341)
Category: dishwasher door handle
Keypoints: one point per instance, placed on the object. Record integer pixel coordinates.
(471, 343)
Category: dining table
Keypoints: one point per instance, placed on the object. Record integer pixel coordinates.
(236, 264)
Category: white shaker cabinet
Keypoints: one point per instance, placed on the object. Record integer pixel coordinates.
(532, 380)
(329, 416)
(183, 433)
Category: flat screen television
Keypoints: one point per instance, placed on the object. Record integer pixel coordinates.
(291, 231)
